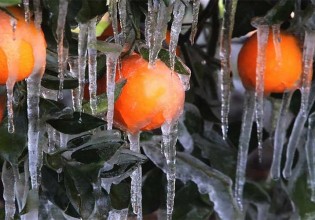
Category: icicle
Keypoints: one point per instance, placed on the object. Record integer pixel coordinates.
(13, 23)
(92, 62)
(247, 122)
(163, 16)
(170, 135)
(122, 7)
(136, 178)
(310, 154)
(82, 51)
(308, 52)
(150, 22)
(101, 202)
(178, 15)
(27, 13)
(118, 214)
(225, 55)
(280, 136)
(8, 191)
(63, 8)
(111, 64)
(196, 6)
(276, 42)
(113, 16)
(74, 69)
(262, 39)
(262, 211)
(64, 138)
(38, 13)
(10, 86)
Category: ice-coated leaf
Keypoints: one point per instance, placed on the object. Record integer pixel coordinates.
(120, 195)
(106, 47)
(32, 202)
(164, 56)
(51, 81)
(78, 123)
(209, 181)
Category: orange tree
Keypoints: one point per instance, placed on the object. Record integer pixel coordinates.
(78, 151)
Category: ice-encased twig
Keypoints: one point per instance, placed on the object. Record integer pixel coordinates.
(8, 182)
(310, 154)
(280, 136)
(169, 139)
(178, 15)
(136, 178)
(246, 130)
(195, 13)
(225, 56)
(92, 64)
(82, 52)
(308, 52)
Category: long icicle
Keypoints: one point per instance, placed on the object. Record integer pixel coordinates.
(262, 39)
(62, 59)
(310, 154)
(195, 14)
(27, 13)
(280, 136)
(38, 13)
(246, 130)
(136, 178)
(92, 64)
(8, 191)
(308, 52)
(225, 56)
(113, 16)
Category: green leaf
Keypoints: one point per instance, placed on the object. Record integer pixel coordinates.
(6, 3)
(32, 202)
(164, 55)
(101, 100)
(120, 195)
(210, 181)
(106, 47)
(254, 193)
(78, 123)
(51, 80)
(91, 9)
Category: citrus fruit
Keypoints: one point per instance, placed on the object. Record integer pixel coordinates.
(282, 71)
(22, 47)
(150, 97)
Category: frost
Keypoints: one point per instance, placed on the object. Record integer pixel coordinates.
(62, 53)
(246, 130)
(225, 56)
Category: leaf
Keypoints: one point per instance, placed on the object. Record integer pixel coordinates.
(51, 80)
(120, 195)
(78, 123)
(32, 202)
(90, 9)
(254, 193)
(210, 181)
(164, 55)
(107, 47)
(101, 100)
(6, 3)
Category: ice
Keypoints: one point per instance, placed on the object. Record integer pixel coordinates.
(10, 99)
(13, 23)
(276, 42)
(111, 65)
(38, 13)
(246, 130)
(27, 13)
(136, 178)
(73, 62)
(82, 51)
(262, 39)
(225, 56)
(169, 139)
(196, 6)
(301, 118)
(178, 15)
(92, 64)
(280, 135)
(158, 28)
(62, 58)
(150, 22)
(8, 191)
(310, 154)
(262, 211)
(308, 53)
(118, 214)
(122, 8)
(51, 132)
(113, 16)
(101, 202)
(64, 138)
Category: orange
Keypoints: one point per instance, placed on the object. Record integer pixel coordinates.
(168, 40)
(22, 49)
(282, 73)
(150, 97)
(3, 102)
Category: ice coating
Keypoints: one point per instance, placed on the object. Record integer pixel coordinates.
(113, 16)
(195, 13)
(8, 182)
(38, 13)
(178, 15)
(118, 214)
(136, 178)
(122, 9)
(280, 136)
(92, 64)
(62, 57)
(27, 13)
(169, 139)
(246, 130)
(310, 154)
(276, 42)
(225, 56)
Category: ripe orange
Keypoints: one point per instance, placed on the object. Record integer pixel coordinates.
(22, 49)
(150, 97)
(280, 74)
